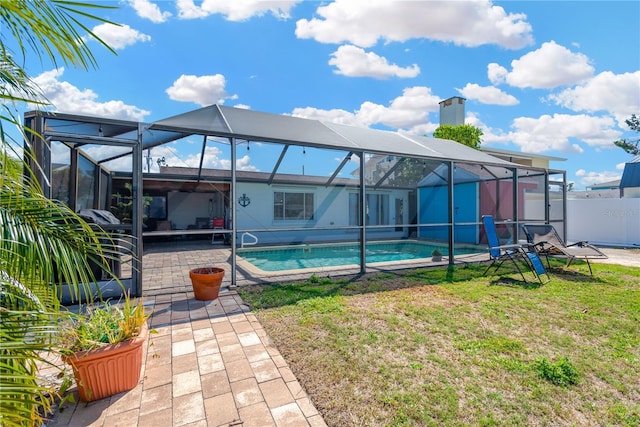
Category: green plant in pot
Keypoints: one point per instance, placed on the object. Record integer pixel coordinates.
(104, 347)
(436, 255)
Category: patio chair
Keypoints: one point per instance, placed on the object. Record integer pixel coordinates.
(513, 252)
(548, 242)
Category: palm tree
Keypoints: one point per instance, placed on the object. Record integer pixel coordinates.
(43, 242)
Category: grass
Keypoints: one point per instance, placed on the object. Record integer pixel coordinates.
(447, 346)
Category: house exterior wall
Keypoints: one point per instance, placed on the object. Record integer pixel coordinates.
(331, 210)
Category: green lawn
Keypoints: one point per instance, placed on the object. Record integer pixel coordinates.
(449, 347)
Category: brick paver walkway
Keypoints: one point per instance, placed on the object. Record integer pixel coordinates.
(209, 363)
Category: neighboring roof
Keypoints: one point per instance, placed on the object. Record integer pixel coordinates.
(631, 173)
(520, 154)
(606, 185)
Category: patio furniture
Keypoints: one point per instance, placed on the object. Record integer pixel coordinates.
(513, 252)
(548, 242)
(217, 224)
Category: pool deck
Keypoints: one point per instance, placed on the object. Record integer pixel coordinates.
(166, 267)
(210, 363)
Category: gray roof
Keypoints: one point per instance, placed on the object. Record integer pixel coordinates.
(218, 120)
(249, 125)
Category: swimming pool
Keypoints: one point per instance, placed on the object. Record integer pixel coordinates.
(332, 255)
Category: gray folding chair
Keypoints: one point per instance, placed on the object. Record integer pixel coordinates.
(548, 242)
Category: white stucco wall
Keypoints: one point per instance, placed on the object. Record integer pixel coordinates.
(331, 210)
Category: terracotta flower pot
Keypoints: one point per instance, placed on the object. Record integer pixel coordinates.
(206, 282)
(108, 370)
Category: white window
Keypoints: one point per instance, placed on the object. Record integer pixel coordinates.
(292, 206)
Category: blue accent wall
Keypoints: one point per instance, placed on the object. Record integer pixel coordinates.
(433, 209)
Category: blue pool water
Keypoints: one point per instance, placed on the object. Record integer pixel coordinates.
(331, 255)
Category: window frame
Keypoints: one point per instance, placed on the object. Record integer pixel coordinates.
(307, 212)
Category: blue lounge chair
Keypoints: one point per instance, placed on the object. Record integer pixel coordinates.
(513, 252)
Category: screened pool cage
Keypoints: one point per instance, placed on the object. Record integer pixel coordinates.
(268, 183)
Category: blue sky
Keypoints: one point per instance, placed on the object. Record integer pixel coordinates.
(557, 78)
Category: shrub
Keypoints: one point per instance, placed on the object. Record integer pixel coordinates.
(561, 372)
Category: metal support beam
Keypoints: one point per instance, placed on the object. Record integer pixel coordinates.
(138, 215)
(337, 171)
(39, 153)
(88, 139)
(362, 219)
(451, 213)
(547, 200)
(275, 168)
(564, 205)
(232, 206)
(204, 146)
(73, 180)
(516, 211)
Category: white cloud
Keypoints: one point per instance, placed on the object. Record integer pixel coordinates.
(67, 98)
(202, 90)
(462, 23)
(151, 11)
(497, 73)
(591, 178)
(213, 158)
(550, 66)
(119, 37)
(558, 132)
(406, 111)
(614, 93)
(410, 112)
(487, 95)
(353, 61)
(235, 10)
(188, 10)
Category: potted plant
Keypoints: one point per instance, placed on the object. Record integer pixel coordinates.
(206, 282)
(104, 348)
(436, 255)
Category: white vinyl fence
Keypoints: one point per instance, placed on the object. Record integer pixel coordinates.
(606, 221)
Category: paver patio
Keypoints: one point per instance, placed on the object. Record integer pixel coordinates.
(209, 363)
